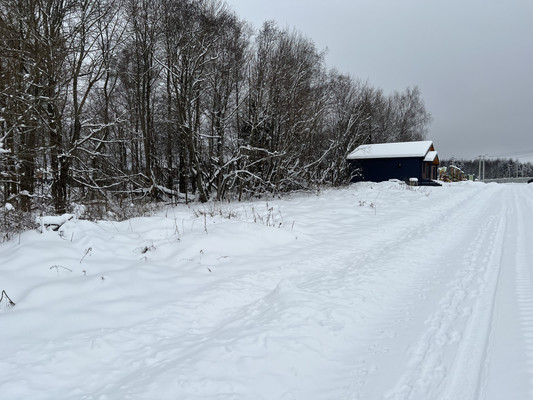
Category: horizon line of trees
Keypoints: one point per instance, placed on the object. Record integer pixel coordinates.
(112, 100)
(495, 168)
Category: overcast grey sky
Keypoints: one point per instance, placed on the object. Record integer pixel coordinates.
(471, 59)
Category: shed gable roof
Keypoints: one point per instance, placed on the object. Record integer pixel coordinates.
(392, 150)
(432, 157)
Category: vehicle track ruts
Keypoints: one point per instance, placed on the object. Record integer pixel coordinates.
(447, 359)
(524, 280)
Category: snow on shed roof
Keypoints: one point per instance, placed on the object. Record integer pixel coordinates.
(431, 156)
(392, 150)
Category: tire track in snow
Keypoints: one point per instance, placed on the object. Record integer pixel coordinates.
(466, 378)
(524, 280)
(508, 366)
(382, 280)
(524, 284)
(450, 353)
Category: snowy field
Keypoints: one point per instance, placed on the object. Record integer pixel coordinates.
(368, 292)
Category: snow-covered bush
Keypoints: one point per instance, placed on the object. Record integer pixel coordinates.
(52, 222)
(13, 222)
(115, 211)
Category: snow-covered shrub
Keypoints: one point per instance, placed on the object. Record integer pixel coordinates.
(214, 210)
(53, 222)
(268, 216)
(13, 222)
(78, 210)
(115, 211)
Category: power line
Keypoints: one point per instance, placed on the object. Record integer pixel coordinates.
(510, 155)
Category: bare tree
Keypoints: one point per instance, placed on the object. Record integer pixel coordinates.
(34, 46)
(411, 118)
(223, 85)
(97, 31)
(286, 109)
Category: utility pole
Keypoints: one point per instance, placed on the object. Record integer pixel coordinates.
(482, 162)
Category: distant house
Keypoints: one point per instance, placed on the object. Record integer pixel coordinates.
(402, 160)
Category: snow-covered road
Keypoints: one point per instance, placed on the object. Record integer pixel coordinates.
(469, 308)
(375, 291)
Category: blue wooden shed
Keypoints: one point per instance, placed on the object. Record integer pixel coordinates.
(401, 160)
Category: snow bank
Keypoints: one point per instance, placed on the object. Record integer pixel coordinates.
(53, 222)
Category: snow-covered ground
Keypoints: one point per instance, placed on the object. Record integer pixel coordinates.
(369, 292)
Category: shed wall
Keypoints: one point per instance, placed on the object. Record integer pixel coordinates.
(383, 169)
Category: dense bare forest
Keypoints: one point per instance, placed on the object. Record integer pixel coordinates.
(108, 102)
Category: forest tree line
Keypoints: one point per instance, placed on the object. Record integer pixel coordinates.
(495, 168)
(113, 100)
